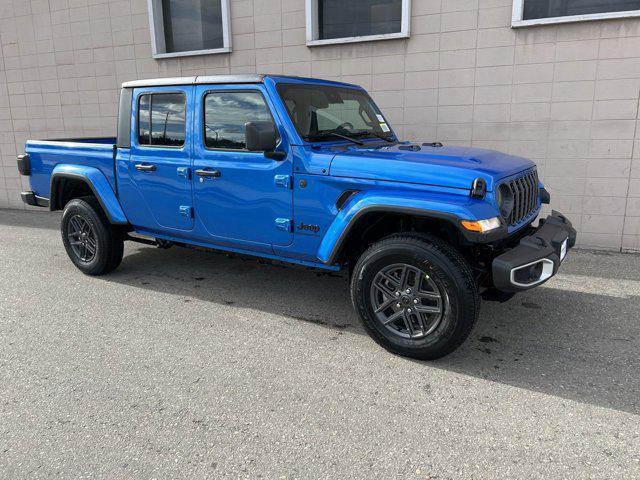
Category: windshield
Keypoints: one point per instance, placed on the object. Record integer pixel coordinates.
(324, 113)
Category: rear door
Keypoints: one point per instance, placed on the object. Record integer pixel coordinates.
(159, 196)
(245, 198)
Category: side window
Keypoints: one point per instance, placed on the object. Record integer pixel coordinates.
(225, 114)
(161, 119)
(144, 131)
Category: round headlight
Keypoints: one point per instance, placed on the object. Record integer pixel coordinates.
(505, 200)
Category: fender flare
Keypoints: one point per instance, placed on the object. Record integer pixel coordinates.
(98, 184)
(449, 207)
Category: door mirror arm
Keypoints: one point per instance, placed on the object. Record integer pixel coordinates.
(275, 155)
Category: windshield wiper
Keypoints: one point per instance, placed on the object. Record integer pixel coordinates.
(332, 134)
(377, 135)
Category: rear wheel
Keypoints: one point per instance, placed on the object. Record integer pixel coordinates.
(416, 296)
(93, 244)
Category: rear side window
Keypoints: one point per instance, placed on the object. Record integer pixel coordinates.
(225, 114)
(161, 119)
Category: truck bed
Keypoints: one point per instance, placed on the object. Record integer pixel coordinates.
(44, 155)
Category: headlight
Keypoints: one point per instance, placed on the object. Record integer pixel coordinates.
(481, 226)
(505, 200)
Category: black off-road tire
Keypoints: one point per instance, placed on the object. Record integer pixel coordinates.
(109, 239)
(446, 268)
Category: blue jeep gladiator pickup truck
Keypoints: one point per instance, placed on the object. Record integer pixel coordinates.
(308, 172)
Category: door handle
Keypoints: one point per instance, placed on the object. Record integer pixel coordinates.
(143, 167)
(205, 172)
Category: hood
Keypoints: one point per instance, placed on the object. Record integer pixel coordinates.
(455, 167)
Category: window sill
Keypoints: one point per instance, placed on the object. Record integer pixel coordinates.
(192, 53)
(365, 38)
(574, 18)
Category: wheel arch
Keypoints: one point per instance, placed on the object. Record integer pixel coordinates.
(73, 181)
(438, 213)
(376, 222)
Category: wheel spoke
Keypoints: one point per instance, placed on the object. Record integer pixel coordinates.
(91, 249)
(390, 279)
(403, 277)
(417, 274)
(394, 316)
(428, 295)
(383, 288)
(427, 308)
(408, 324)
(386, 304)
(420, 318)
(76, 227)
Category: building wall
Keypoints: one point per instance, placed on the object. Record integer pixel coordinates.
(564, 95)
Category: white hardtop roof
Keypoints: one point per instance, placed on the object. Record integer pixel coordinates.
(200, 79)
(213, 79)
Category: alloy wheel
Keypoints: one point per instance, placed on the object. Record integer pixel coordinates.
(408, 301)
(82, 238)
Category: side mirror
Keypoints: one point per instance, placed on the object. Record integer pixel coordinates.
(260, 136)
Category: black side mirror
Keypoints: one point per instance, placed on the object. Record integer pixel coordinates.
(260, 136)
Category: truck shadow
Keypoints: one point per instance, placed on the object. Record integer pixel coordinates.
(30, 219)
(578, 346)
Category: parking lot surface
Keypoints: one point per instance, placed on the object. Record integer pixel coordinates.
(186, 364)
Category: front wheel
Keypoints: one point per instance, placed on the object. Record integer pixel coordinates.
(415, 295)
(93, 244)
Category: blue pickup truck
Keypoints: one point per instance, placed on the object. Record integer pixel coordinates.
(308, 172)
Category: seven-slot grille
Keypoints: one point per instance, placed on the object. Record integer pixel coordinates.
(525, 196)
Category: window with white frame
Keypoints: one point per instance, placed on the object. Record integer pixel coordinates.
(540, 12)
(340, 21)
(189, 27)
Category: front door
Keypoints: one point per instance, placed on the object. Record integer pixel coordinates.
(243, 198)
(159, 195)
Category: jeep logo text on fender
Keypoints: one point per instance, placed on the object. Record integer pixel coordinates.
(311, 228)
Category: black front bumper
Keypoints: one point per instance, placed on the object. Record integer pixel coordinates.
(537, 256)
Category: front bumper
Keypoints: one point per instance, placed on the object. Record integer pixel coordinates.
(537, 257)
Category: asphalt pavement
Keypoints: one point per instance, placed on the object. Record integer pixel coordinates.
(186, 364)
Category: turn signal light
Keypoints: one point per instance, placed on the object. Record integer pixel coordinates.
(481, 226)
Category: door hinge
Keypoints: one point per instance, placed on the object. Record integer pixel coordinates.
(283, 224)
(186, 211)
(283, 181)
(184, 172)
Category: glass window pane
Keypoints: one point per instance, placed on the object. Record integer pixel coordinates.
(562, 8)
(225, 114)
(192, 25)
(168, 119)
(346, 113)
(340, 19)
(143, 120)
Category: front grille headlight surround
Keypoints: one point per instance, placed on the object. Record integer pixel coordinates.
(505, 199)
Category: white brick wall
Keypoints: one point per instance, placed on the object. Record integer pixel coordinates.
(566, 96)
